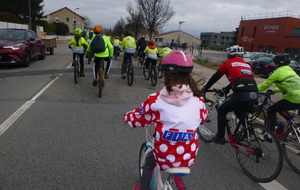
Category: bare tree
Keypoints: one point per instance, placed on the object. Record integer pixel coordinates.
(155, 13)
(87, 21)
(134, 20)
(119, 28)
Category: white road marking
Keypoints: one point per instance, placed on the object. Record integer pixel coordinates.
(9, 121)
(273, 185)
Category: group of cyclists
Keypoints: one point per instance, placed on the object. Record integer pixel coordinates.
(80, 44)
(178, 109)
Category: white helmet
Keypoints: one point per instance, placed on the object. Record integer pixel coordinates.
(235, 50)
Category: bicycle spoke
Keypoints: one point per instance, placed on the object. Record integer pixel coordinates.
(291, 148)
(261, 160)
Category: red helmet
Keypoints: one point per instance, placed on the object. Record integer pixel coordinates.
(151, 42)
(178, 61)
(117, 37)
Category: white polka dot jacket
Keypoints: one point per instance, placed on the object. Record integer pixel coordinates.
(176, 116)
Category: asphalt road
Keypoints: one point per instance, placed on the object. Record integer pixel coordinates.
(56, 134)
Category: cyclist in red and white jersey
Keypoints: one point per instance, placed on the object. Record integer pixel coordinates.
(242, 83)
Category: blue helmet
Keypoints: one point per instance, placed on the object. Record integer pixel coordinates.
(167, 43)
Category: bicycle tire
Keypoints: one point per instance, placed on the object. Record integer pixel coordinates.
(209, 129)
(100, 81)
(265, 162)
(130, 74)
(146, 73)
(154, 75)
(291, 148)
(90, 55)
(146, 167)
(76, 71)
(160, 71)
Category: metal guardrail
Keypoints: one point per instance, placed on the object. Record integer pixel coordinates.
(271, 15)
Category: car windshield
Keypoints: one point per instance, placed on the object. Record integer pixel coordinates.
(12, 34)
(249, 54)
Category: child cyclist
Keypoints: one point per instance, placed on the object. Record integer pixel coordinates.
(152, 53)
(164, 51)
(78, 46)
(176, 111)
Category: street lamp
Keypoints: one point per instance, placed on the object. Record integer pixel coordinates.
(178, 40)
(74, 20)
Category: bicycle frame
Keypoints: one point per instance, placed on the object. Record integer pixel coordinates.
(156, 182)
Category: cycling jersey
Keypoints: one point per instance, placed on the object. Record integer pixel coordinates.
(129, 44)
(116, 43)
(77, 43)
(176, 116)
(165, 51)
(287, 82)
(239, 74)
(151, 52)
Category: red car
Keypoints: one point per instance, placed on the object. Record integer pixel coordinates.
(20, 46)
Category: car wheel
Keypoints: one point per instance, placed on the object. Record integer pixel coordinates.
(26, 60)
(269, 74)
(42, 56)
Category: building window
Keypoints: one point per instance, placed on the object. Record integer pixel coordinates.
(242, 33)
(56, 19)
(67, 19)
(254, 34)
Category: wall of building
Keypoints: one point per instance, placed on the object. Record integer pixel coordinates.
(66, 16)
(13, 25)
(173, 36)
(273, 35)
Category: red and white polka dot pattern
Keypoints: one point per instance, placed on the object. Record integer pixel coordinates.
(168, 117)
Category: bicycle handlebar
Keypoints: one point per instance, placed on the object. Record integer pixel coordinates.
(217, 93)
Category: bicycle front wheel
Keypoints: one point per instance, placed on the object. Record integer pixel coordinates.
(130, 74)
(146, 168)
(209, 129)
(154, 75)
(291, 148)
(76, 71)
(260, 158)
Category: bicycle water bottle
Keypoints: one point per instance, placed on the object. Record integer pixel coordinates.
(280, 127)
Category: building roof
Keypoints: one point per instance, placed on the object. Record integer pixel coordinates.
(67, 9)
(175, 31)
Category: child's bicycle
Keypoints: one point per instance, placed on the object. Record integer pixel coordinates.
(150, 175)
(260, 160)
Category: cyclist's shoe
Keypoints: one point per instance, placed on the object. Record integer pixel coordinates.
(73, 63)
(82, 75)
(219, 140)
(261, 137)
(124, 76)
(161, 76)
(268, 138)
(94, 83)
(106, 76)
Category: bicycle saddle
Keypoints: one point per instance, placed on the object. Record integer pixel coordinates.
(179, 171)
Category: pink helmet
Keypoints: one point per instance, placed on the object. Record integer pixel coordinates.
(178, 61)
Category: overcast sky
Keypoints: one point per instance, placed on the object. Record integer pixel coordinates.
(199, 15)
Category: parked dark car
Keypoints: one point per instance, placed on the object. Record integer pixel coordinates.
(250, 57)
(265, 66)
(20, 46)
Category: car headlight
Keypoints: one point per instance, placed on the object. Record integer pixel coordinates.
(14, 47)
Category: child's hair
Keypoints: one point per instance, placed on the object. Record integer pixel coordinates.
(174, 78)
